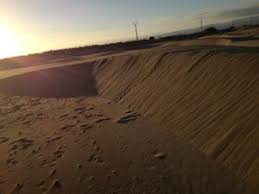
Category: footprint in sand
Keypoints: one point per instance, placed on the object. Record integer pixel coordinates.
(52, 172)
(42, 116)
(80, 109)
(82, 178)
(53, 139)
(59, 153)
(11, 161)
(3, 140)
(67, 127)
(160, 155)
(27, 122)
(16, 188)
(85, 127)
(95, 155)
(79, 166)
(100, 120)
(88, 115)
(90, 108)
(41, 185)
(128, 117)
(15, 108)
(28, 115)
(63, 116)
(34, 152)
(2, 182)
(35, 102)
(55, 186)
(21, 144)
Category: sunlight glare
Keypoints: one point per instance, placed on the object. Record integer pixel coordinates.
(9, 46)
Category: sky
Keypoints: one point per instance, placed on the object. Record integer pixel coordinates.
(29, 26)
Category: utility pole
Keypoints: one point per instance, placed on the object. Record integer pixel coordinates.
(201, 20)
(135, 24)
(201, 17)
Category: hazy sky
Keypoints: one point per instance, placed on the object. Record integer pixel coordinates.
(40, 25)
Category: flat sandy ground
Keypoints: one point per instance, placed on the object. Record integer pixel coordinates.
(176, 118)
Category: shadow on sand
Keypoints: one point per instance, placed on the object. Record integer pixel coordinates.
(64, 82)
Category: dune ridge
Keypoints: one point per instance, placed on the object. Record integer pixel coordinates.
(205, 96)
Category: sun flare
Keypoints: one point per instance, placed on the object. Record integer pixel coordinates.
(9, 46)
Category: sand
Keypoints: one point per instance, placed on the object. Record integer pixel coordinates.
(205, 96)
(80, 145)
(177, 118)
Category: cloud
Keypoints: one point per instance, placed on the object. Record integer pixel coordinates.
(237, 13)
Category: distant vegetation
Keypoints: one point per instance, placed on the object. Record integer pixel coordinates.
(152, 38)
(120, 46)
(132, 45)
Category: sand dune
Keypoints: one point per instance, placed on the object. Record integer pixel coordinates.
(207, 97)
(177, 118)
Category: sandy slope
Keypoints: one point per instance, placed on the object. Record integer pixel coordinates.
(90, 145)
(198, 132)
(206, 96)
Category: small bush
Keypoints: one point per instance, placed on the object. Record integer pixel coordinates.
(211, 30)
(151, 38)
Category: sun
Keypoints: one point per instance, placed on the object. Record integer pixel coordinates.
(9, 46)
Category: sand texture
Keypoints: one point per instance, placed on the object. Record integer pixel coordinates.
(177, 117)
